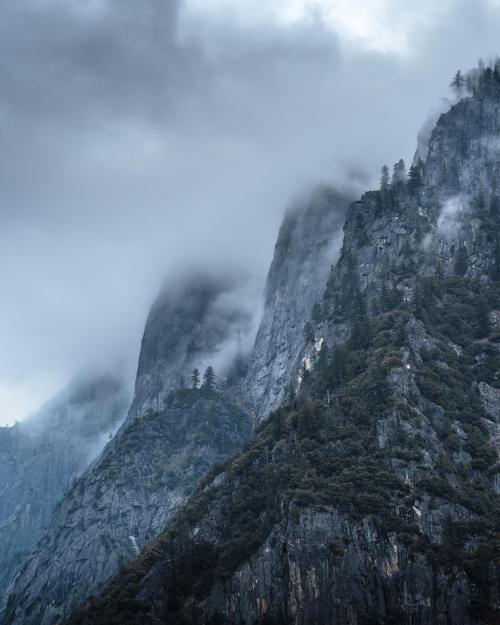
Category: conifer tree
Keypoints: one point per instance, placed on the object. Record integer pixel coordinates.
(457, 83)
(195, 378)
(209, 378)
(415, 176)
(384, 178)
(399, 172)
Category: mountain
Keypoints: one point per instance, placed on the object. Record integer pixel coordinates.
(172, 437)
(124, 502)
(308, 244)
(41, 456)
(169, 440)
(371, 495)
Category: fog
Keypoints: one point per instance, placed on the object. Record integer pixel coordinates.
(140, 139)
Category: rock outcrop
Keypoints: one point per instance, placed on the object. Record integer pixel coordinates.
(190, 324)
(308, 244)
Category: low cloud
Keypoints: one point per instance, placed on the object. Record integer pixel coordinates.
(140, 138)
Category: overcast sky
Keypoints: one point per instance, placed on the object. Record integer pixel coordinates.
(143, 137)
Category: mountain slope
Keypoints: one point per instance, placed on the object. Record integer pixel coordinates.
(41, 456)
(372, 497)
(124, 502)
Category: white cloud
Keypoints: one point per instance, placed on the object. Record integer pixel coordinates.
(377, 25)
(130, 148)
(23, 399)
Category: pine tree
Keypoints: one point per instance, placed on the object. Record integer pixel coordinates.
(457, 83)
(384, 178)
(209, 378)
(195, 378)
(399, 172)
(415, 177)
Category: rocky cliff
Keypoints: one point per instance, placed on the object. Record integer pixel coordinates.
(308, 244)
(170, 438)
(371, 497)
(124, 502)
(191, 324)
(40, 457)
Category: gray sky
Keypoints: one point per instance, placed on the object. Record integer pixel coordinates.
(141, 138)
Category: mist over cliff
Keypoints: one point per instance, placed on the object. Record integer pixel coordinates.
(370, 494)
(281, 389)
(141, 138)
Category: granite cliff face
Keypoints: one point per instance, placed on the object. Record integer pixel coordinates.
(189, 325)
(308, 244)
(124, 502)
(40, 457)
(371, 497)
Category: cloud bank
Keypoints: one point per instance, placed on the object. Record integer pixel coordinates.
(142, 138)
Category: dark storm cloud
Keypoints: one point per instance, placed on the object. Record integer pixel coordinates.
(142, 138)
(57, 54)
